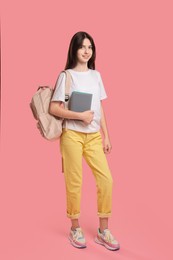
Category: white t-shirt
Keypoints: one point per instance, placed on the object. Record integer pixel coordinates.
(89, 81)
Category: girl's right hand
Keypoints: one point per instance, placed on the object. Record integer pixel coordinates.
(87, 116)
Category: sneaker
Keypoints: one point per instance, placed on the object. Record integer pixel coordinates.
(77, 238)
(106, 239)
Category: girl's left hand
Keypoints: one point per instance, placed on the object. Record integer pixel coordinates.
(107, 146)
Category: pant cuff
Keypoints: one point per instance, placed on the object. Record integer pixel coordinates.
(73, 216)
(103, 215)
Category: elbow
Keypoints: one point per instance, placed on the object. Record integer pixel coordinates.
(54, 109)
(51, 109)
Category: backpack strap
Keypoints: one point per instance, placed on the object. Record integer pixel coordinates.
(67, 85)
(68, 82)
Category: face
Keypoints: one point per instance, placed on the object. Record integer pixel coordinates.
(84, 53)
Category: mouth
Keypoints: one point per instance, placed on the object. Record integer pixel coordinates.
(85, 57)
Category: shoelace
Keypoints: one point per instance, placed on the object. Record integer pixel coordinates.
(78, 234)
(108, 236)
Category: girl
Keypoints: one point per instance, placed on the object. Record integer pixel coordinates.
(83, 138)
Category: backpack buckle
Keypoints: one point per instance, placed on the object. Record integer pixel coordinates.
(67, 97)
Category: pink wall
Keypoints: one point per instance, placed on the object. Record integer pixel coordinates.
(134, 56)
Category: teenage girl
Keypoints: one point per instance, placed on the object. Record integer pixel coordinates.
(83, 138)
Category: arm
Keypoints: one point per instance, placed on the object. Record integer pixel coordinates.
(106, 143)
(57, 109)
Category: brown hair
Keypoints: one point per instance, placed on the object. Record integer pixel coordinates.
(75, 44)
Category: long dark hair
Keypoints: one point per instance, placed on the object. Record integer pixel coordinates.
(75, 44)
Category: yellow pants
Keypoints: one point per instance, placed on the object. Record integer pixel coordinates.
(73, 146)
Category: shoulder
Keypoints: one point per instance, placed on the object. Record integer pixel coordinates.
(97, 73)
(62, 73)
(61, 76)
(60, 81)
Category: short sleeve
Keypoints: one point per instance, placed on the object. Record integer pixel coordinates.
(59, 93)
(103, 94)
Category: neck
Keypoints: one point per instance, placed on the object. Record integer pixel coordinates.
(81, 67)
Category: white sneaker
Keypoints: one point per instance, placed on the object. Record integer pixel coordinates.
(106, 239)
(77, 238)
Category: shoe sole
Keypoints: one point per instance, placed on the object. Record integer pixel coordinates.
(105, 245)
(75, 245)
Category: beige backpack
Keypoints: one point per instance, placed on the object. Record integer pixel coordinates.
(49, 126)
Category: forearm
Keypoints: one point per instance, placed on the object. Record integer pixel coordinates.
(57, 110)
(104, 124)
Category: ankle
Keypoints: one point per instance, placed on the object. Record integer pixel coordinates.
(74, 227)
(74, 224)
(103, 224)
(102, 229)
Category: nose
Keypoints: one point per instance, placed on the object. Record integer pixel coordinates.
(86, 50)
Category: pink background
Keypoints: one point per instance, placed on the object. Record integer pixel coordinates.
(135, 58)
